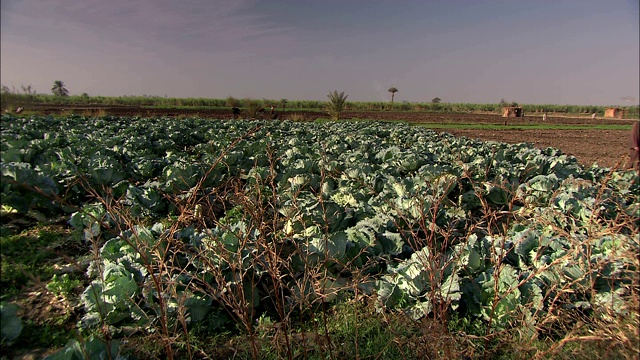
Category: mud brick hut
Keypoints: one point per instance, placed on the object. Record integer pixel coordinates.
(615, 113)
(511, 111)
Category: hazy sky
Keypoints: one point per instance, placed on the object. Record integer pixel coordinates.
(479, 51)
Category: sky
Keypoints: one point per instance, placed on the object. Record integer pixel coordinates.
(581, 52)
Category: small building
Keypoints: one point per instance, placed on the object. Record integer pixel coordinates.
(511, 111)
(615, 113)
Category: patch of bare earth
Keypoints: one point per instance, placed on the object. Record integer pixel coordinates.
(607, 148)
(42, 308)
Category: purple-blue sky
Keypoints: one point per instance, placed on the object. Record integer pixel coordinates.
(478, 51)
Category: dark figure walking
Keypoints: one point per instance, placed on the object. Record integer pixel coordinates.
(634, 147)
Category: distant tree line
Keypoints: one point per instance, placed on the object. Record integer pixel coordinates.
(26, 96)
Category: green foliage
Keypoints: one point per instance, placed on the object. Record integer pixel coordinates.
(63, 285)
(336, 104)
(253, 107)
(59, 89)
(353, 326)
(12, 99)
(92, 348)
(232, 102)
(17, 97)
(27, 255)
(432, 224)
(10, 323)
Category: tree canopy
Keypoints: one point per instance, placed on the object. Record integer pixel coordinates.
(393, 90)
(58, 89)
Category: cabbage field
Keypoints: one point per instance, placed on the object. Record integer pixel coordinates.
(198, 223)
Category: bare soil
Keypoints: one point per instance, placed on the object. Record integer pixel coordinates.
(608, 148)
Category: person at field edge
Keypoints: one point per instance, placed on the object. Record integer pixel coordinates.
(544, 117)
(634, 147)
(593, 116)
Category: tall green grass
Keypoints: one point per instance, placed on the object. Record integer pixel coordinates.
(10, 98)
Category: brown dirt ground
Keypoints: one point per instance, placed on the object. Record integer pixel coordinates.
(607, 148)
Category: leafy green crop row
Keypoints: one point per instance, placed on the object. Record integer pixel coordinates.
(429, 222)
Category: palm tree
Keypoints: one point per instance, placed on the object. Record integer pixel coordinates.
(58, 89)
(393, 92)
(336, 104)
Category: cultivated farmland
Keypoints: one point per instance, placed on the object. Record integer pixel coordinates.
(573, 134)
(292, 235)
